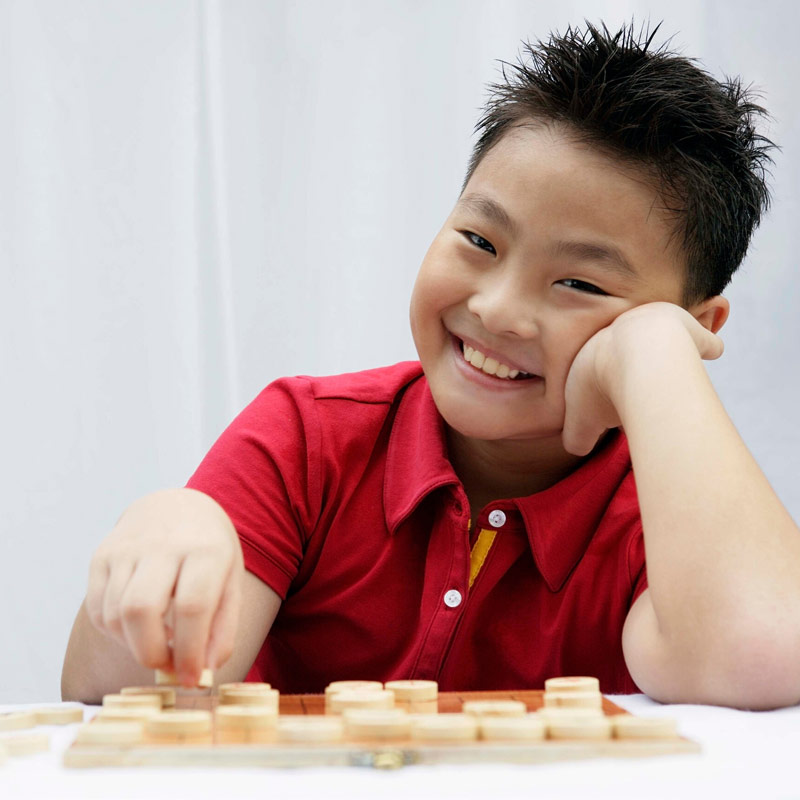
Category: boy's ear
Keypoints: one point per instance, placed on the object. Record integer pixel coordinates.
(712, 313)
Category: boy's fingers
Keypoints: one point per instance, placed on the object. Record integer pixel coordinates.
(121, 572)
(197, 597)
(225, 622)
(143, 607)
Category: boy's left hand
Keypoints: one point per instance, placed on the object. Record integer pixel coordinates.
(649, 336)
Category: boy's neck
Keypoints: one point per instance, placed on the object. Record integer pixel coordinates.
(496, 470)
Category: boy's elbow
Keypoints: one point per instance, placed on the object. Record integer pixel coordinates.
(756, 672)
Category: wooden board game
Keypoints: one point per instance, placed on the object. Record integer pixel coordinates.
(383, 754)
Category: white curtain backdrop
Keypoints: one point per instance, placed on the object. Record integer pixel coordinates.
(199, 196)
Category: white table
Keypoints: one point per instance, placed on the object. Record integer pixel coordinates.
(745, 754)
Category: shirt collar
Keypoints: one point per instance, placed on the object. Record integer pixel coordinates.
(559, 521)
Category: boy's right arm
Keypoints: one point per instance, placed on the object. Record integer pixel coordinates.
(169, 581)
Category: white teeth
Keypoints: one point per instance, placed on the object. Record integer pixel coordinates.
(477, 358)
(491, 366)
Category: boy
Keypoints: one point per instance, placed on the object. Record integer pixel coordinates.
(473, 518)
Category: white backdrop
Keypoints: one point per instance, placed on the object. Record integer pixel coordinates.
(197, 197)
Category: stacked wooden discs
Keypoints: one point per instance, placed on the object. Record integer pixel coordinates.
(415, 696)
(247, 713)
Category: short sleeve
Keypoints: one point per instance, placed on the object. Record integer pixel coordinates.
(264, 471)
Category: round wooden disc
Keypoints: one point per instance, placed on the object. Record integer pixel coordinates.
(573, 700)
(243, 686)
(268, 698)
(559, 713)
(132, 701)
(25, 744)
(590, 727)
(371, 723)
(17, 720)
(495, 708)
(354, 698)
(179, 723)
(317, 729)
(134, 714)
(240, 717)
(168, 678)
(59, 715)
(414, 690)
(347, 686)
(627, 726)
(574, 683)
(166, 693)
(530, 727)
(444, 728)
(110, 733)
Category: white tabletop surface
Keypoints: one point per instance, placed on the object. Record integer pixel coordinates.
(744, 754)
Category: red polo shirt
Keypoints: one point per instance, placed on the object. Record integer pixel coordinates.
(347, 506)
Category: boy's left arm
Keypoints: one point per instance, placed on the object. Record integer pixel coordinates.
(720, 621)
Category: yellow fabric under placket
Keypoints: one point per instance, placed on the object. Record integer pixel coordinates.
(483, 544)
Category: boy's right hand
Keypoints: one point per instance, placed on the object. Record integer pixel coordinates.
(167, 583)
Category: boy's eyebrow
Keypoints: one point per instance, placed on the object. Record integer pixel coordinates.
(486, 207)
(610, 255)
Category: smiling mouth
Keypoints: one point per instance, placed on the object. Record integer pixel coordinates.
(490, 366)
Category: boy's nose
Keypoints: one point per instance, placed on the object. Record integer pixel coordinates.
(504, 309)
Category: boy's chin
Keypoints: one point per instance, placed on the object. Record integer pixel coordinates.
(496, 431)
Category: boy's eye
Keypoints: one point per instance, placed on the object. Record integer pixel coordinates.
(479, 241)
(582, 286)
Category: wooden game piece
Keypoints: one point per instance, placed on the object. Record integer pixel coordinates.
(589, 727)
(355, 698)
(134, 714)
(573, 699)
(166, 693)
(340, 686)
(495, 708)
(17, 720)
(25, 744)
(366, 724)
(315, 729)
(413, 690)
(565, 712)
(626, 726)
(241, 724)
(444, 728)
(572, 683)
(130, 732)
(269, 698)
(59, 715)
(346, 686)
(179, 726)
(417, 706)
(246, 686)
(168, 678)
(132, 701)
(529, 728)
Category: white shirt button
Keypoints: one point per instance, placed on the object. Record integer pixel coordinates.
(452, 598)
(497, 518)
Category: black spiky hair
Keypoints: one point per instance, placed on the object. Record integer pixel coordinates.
(658, 110)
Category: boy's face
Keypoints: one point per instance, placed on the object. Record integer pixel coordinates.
(549, 242)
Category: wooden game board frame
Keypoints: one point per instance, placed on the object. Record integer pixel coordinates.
(375, 754)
